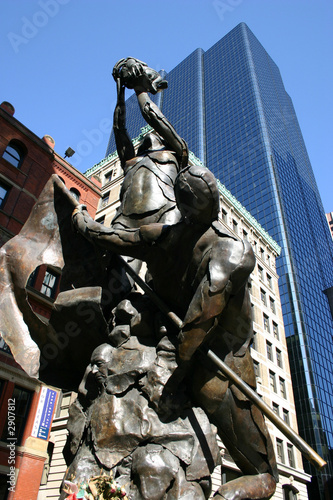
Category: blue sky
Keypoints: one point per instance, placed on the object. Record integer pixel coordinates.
(57, 58)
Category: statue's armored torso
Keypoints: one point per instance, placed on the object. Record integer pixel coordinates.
(147, 193)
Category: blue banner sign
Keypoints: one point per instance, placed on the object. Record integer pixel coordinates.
(44, 413)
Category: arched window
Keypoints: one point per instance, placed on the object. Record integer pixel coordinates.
(14, 153)
(75, 193)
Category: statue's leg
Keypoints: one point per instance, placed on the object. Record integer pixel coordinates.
(243, 431)
(260, 486)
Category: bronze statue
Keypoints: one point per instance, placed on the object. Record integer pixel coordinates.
(145, 389)
(201, 272)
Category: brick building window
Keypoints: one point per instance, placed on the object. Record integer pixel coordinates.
(22, 397)
(75, 193)
(14, 153)
(4, 190)
(50, 282)
(272, 305)
(266, 323)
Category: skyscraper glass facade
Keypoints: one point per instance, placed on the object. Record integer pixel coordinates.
(230, 105)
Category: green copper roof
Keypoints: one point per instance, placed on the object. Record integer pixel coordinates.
(223, 190)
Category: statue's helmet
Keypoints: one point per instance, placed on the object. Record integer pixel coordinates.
(197, 195)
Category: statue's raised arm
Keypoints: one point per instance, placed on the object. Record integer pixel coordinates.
(135, 74)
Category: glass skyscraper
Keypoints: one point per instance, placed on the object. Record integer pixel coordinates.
(230, 105)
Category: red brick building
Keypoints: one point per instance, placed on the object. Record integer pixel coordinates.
(26, 164)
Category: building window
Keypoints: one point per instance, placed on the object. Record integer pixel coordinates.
(269, 350)
(101, 220)
(4, 190)
(279, 358)
(285, 414)
(4, 348)
(50, 282)
(14, 153)
(291, 456)
(283, 388)
(75, 193)
(263, 297)
(245, 235)
(272, 305)
(269, 281)
(254, 341)
(108, 176)
(224, 215)
(261, 273)
(272, 381)
(256, 368)
(105, 199)
(235, 226)
(275, 408)
(275, 330)
(22, 405)
(289, 492)
(266, 323)
(279, 450)
(262, 253)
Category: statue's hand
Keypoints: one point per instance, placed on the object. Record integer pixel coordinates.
(149, 81)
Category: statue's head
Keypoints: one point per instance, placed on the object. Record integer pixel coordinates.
(197, 195)
(150, 142)
(100, 362)
(133, 72)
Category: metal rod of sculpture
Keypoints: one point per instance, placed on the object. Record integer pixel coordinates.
(309, 453)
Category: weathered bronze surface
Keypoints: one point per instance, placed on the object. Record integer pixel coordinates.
(147, 394)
